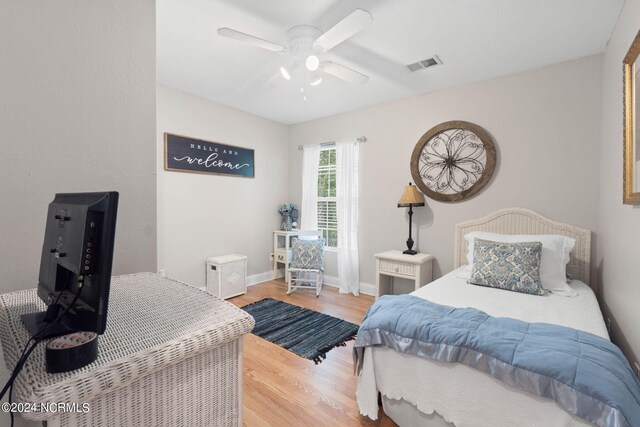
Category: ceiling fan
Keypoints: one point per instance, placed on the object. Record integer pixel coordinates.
(306, 43)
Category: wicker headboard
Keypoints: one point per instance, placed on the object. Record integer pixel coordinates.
(525, 221)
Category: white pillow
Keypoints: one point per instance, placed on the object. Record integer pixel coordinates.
(555, 256)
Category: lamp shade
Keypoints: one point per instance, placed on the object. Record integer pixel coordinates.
(411, 197)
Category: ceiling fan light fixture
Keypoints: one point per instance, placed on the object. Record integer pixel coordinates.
(285, 73)
(305, 43)
(315, 80)
(312, 62)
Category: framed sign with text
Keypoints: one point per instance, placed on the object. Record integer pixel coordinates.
(183, 154)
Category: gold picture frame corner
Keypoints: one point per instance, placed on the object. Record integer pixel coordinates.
(630, 145)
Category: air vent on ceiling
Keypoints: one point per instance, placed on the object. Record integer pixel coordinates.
(425, 63)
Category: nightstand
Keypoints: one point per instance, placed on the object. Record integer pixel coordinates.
(282, 241)
(393, 264)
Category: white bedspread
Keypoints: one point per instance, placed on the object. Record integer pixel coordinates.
(463, 395)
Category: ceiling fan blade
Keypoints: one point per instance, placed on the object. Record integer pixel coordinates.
(246, 38)
(344, 73)
(353, 23)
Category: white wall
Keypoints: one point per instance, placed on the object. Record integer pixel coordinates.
(618, 243)
(77, 113)
(546, 125)
(200, 216)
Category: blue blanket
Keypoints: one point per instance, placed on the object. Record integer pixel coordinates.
(585, 374)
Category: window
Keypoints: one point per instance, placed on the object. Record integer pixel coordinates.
(327, 212)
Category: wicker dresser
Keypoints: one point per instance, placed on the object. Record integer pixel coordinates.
(171, 356)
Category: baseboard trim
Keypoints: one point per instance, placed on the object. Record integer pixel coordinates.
(365, 288)
(329, 280)
(255, 279)
(368, 289)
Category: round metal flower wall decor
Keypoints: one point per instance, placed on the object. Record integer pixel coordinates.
(453, 161)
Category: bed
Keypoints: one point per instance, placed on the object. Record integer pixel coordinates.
(421, 392)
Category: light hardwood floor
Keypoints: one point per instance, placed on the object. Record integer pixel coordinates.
(282, 389)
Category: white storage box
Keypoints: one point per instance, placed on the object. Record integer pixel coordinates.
(227, 275)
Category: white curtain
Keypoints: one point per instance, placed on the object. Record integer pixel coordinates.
(309, 208)
(347, 205)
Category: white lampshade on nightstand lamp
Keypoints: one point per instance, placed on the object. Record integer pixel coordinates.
(410, 197)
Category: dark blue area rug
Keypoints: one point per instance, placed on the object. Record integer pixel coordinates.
(304, 332)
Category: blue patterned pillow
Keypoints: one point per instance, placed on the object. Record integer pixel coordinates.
(308, 254)
(510, 266)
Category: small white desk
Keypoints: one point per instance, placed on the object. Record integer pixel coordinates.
(393, 264)
(282, 250)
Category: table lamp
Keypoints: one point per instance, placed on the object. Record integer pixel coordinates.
(410, 197)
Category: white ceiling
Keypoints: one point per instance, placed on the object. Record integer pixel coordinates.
(476, 40)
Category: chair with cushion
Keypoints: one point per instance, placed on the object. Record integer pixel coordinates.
(307, 264)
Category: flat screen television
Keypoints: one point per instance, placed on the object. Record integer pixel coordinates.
(77, 252)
